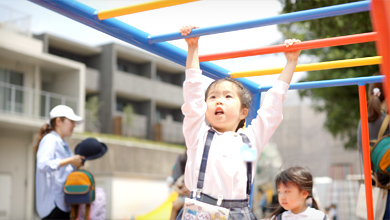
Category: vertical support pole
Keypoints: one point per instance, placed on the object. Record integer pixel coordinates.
(366, 150)
(380, 19)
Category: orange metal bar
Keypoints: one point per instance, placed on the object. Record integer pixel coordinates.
(380, 18)
(327, 42)
(366, 150)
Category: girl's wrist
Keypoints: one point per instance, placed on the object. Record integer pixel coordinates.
(192, 46)
(292, 61)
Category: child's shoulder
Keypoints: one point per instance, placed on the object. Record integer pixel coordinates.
(315, 213)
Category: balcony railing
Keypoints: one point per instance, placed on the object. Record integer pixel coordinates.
(15, 21)
(19, 100)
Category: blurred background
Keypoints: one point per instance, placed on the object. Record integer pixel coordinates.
(131, 100)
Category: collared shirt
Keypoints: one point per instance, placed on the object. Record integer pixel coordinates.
(308, 214)
(226, 172)
(50, 178)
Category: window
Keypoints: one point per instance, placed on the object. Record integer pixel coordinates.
(68, 55)
(171, 78)
(11, 93)
(165, 113)
(122, 102)
(129, 67)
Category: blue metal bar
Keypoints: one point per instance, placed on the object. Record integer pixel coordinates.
(332, 83)
(118, 29)
(341, 9)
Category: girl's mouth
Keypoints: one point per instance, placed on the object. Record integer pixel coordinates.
(219, 111)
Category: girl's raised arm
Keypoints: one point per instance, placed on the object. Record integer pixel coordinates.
(292, 60)
(192, 55)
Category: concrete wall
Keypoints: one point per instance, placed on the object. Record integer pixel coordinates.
(132, 175)
(20, 42)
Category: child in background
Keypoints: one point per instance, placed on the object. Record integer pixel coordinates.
(222, 111)
(295, 195)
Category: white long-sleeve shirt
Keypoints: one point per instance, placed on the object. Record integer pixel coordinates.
(226, 172)
(50, 177)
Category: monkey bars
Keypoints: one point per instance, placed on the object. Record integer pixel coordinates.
(305, 45)
(331, 83)
(317, 13)
(313, 66)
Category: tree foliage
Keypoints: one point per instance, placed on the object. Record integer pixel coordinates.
(92, 106)
(341, 104)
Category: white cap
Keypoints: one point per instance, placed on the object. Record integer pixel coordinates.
(65, 111)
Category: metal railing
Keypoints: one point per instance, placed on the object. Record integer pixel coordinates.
(23, 101)
(15, 21)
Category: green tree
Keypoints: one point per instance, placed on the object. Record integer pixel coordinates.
(341, 104)
(92, 105)
(128, 113)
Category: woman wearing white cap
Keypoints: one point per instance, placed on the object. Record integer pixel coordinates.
(55, 161)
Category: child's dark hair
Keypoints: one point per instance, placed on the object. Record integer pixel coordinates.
(299, 176)
(374, 103)
(243, 93)
(45, 129)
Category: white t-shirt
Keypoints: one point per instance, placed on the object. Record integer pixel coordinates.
(308, 214)
(226, 172)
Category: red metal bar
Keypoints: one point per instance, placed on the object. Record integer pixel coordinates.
(380, 19)
(327, 42)
(366, 150)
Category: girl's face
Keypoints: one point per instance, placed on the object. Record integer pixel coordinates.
(224, 110)
(291, 198)
(64, 127)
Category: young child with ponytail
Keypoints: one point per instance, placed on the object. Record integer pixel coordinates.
(295, 196)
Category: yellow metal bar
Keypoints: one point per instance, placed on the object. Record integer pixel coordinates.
(313, 66)
(115, 12)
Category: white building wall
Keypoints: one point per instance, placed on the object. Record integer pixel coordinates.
(14, 152)
(20, 42)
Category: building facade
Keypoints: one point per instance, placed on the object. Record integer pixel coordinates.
(121, 76)
(39, 72)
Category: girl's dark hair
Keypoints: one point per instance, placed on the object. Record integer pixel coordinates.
(299, 176)
(45, 129)
(374, 103)
(243, 93)
(183, 161)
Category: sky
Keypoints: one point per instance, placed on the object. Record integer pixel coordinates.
(202, 13)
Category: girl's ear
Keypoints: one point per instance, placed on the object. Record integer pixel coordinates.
(244, 113)
(305, 194)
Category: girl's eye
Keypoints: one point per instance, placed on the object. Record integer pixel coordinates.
(229, 96)
(212, 97)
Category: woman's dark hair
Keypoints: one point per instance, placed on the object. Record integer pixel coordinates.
(45, 129)
(243, 93)
(375, 101)
(299, 176)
